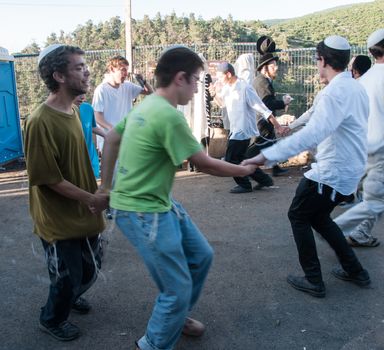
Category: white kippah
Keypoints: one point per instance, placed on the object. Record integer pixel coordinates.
(47, 51)
(375, 38)
(337, 42)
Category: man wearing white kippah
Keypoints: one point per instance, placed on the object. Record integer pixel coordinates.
(357, 223)
(63, 206)
(338, 127)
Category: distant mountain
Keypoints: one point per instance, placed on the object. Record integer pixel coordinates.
(276, 21)
(273, 22)
(354, 22)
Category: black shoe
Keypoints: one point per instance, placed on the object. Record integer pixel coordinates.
(64, 331)
(361, 279)
(81, 305)
(260, 186)
(239, 189)
(277, 171)
(301, 283)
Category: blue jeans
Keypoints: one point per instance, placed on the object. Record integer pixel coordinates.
(178, 257)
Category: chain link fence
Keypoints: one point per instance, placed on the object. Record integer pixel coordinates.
(297, 73)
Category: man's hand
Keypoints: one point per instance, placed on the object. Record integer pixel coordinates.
(283, 130)
(287, 99)
(250, 168)
(99, 202)
(258, 160)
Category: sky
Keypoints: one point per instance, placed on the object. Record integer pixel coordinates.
(25, 21)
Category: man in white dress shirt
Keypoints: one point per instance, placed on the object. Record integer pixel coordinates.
(242, 103)
(357, 222)
(338, 127)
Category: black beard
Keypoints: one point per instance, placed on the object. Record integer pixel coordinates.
(76, 92)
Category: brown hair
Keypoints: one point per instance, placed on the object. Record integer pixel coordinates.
(174, 60)
(116, 62)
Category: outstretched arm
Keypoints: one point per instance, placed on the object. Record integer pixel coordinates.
(217, 167)
(95, 203)
(101, 121)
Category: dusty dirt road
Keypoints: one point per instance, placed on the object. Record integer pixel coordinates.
(246, 303)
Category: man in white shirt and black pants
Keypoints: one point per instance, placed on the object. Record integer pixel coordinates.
(242, 104)
(338, 127)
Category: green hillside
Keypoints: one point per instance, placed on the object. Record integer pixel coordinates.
(354, 22)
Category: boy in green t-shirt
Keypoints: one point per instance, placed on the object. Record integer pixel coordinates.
(153, 140)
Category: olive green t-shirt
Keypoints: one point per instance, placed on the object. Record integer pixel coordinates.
(155, 140)
(55, 150)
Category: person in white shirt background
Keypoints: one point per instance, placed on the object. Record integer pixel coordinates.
(242, 104)
(113, 98)
(357, 222)
(338, 127)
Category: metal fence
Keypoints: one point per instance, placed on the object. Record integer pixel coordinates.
(297, 71)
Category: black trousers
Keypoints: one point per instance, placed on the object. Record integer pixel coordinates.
(236, 153)
(72, 271)
(310, 209)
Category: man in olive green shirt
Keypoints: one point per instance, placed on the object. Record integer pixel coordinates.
(153, 140)
(65, 211)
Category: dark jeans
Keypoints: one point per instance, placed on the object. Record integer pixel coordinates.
(308, 210)
(71, 276)
(235, 154)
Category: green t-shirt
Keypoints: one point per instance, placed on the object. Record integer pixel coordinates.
(155, 140)
(55, 150)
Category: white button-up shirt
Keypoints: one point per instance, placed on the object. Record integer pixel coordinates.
(373, 82)
(242, 103)
(338, 126)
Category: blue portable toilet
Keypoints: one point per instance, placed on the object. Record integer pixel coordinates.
(11, 146)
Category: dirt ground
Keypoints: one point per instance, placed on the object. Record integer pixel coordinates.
(246, 303)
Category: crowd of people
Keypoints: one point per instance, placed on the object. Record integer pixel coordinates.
(144, 146)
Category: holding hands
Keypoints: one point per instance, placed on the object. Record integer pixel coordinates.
(255, 161)
(99, 202)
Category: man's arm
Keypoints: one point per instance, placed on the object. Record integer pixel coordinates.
(280, 130)
(214, 91)
(147, 89)
(108, 160)
(99, 131)
(254, 100)
(217, 167)
(95, 203)
(273, 103)
(101, 121)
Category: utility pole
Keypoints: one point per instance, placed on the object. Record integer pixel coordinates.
(128, 34)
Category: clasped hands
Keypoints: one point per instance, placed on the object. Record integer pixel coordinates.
(99, 201)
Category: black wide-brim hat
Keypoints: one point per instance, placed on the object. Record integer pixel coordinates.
(265, 44)
(265, 59)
